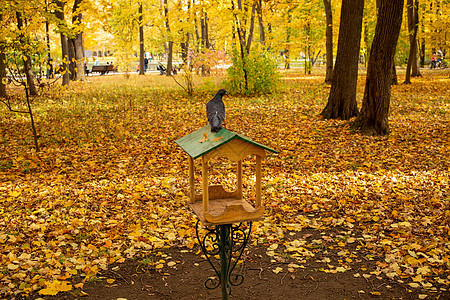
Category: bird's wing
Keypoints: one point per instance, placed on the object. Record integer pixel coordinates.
(221, 111)
(210, 110)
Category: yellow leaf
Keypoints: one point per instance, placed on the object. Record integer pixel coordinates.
(55, 287)
(110, 281)
(14, 194)
(218, 138)
(376, 293)
(277, 270)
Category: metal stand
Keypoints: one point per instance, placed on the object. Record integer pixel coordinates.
(228, 241)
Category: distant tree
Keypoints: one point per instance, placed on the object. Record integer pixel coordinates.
(27, 66)
(141, 41)
(169, 39)
(62, 27)
(373, 117)
(412, 68)
(76, 43)
(2, 66)
(329, 39)
(342, 100)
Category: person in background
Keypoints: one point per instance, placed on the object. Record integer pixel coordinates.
(433, 60)
(96, 62)
(145, 64)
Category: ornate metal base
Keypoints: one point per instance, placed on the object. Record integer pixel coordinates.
(228, 241)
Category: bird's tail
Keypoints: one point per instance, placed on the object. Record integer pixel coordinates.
(215, 123)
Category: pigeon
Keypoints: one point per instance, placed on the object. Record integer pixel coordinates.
(215, 111)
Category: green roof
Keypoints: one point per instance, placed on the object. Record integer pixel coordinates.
(197, 144)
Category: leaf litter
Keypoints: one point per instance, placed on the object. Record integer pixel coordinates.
(110, 183)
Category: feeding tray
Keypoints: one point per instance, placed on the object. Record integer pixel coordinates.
(215, 205)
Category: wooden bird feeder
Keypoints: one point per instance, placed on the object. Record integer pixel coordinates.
(216, 206)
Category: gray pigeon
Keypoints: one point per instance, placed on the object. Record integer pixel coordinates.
(215, 111)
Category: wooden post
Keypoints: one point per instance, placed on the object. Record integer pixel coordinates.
(258, 182)
(191, 180)
(205, 184)
(239, 179)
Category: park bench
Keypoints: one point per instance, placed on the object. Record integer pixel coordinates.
(103, 69)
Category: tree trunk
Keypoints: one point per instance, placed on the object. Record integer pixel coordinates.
(373, 118)
(28, 68)
(141, 42)
(287, 49)
(59, 13)
(72, 62)
(342, 100)
(170, 43)
(262, 36)
(394, 80)
(2, 69)
(2, 73)
(77, 45)
(413, 24)
(329, 40)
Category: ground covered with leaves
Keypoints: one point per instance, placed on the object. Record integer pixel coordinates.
(106, 196)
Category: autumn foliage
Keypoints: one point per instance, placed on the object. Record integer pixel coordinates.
(110, 182)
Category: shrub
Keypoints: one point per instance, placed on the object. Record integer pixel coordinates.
(261, 70)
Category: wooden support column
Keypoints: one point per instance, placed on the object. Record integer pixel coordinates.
(239, 179)
(205, 184)
(191, 180)
(258, 182)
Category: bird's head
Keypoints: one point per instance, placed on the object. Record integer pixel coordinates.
(222, 92)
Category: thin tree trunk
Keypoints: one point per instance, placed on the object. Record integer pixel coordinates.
(373, 118)
(170, 43)
(413, 23)
(33, 125)
(342, 100)
(28, 68)
(59, 13)
(2, 68)
(329, 40)
(252, 26)
(141, 42)
(262, 36)
(287, 49)
(3, 93)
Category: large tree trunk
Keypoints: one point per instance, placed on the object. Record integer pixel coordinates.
(342, 100)
(141, 42)
(79, 56)
(373, 118)
(59, 13)
(76, 44)
(28, 68)
(329, 40)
